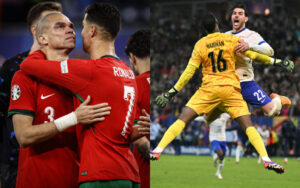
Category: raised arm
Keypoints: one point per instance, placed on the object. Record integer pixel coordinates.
(185, 77)
(263, 48)
(72, 74)
(264, 59)
(258, 44)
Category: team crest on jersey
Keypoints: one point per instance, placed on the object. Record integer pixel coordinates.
(15, 92)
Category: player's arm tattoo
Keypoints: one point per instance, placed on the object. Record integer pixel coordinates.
(144, 150)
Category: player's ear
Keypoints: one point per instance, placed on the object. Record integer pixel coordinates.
(246, 19)
(93, 30)
(132, 58)
(43, 39)
(33, 30)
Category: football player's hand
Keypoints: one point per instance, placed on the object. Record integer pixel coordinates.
(241, 47)
(88, 114)
(144, 123)
(162, 99)
(286, 64)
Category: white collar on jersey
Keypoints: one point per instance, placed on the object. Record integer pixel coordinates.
(239, 31)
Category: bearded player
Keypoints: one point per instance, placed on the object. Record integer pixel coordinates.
(138, 50)
(251, 92)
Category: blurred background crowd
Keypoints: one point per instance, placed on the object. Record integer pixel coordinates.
(15, 36)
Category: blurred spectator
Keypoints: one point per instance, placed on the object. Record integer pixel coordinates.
(297, 147)
(272, 143)
(288, 135)
(296, 109)
(188, 136)
(176, 144)
(265, 134)
(155, 129)
(231, 137)
(202, 135)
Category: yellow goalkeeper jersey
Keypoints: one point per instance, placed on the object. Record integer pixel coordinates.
(216, 54)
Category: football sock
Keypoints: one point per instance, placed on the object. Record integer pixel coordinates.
(256, 141)
(215, 156)
(266, 158)
(259, 159)
(237, 153)
(221, 164)
(173, 131)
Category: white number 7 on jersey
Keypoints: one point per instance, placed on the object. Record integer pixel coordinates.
(128, 92)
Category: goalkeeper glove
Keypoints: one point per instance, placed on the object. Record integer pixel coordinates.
(286, 64)
(164, 98)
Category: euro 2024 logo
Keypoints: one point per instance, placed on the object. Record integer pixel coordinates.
(15, 92)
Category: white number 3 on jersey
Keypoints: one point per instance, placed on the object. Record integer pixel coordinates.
(50, 112)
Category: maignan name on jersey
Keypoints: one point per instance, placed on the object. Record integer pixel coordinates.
(215, 44)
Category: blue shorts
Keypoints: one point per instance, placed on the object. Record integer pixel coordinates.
(253, 94)
(243, 140)
(216, 145)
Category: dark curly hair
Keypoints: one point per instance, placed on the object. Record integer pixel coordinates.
(241, 6)
(209, 22)
(105, 16)
(139, 44)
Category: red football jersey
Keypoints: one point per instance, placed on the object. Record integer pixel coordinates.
(104, 146)
(51, 163)
(143, 85)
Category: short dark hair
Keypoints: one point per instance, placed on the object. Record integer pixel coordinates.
(139, 44)
(35, 12)
(209, 22)
(241, 6)
(105, 16)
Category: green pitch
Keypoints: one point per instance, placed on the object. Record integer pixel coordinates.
(198, 171)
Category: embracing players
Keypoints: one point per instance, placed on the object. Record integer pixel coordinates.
(220, 87)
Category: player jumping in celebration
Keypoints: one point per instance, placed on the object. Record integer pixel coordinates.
(138, 50)
(251, 92)
(105, 156)
(220, 87)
